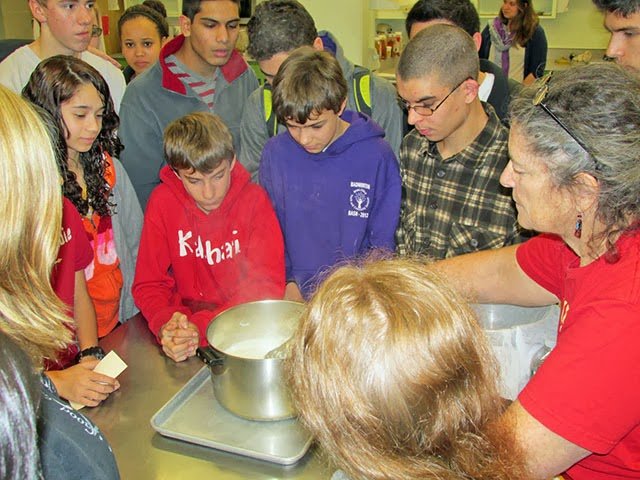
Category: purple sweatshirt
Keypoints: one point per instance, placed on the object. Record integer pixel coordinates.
(336, 204)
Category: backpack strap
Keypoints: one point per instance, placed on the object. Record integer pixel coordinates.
(361, 93)
(362, 89)
(269, 115)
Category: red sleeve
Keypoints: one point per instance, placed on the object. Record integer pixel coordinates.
(154, 288)
(83, 254)
(74, 255)
(587, 389)
(539, 259)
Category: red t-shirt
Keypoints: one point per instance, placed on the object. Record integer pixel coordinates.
(588, 389)
(74, 255)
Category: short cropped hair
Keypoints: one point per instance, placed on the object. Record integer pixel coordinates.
(308, 82)
(459, 12)
(190, 8)
(622, 7)
(198, 141)
(392, 373)
(279, 26)
(444, 51)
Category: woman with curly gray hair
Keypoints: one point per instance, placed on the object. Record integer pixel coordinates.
(575, 175)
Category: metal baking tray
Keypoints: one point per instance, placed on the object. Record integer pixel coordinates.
(194, 415)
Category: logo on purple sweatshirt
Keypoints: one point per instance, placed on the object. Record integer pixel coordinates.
(359, 199)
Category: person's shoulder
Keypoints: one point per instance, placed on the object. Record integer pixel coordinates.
(106, 69)
(237, 70)
(494, 127)
(20, 53)
(148, 84)
(280, 143)
(17, 67)
(382, 85)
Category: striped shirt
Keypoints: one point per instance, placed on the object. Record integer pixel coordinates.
(457, 205)
(203, 87)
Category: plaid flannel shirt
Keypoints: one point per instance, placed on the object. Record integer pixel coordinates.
(456, 205)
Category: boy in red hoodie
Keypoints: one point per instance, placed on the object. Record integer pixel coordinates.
(210, 238)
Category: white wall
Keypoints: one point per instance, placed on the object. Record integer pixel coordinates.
(346, 20)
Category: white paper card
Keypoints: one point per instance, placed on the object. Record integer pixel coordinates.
(111, 366)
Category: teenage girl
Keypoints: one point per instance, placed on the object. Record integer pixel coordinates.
(143, 31)
(77, 97)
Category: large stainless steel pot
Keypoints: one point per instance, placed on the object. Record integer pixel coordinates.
(244, 382)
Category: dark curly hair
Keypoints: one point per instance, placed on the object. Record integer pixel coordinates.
(279, 26)
(53, 82)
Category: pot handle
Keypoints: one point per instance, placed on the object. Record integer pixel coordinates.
(209, 356)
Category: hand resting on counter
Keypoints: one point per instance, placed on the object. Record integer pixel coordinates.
(179, 337)
(81, 384)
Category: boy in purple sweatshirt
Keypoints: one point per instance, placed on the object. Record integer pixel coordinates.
(332, 177)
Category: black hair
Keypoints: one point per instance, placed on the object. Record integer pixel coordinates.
(623, 7)
(136, 11)
(279, 26)
(461, 13)
(190, 8)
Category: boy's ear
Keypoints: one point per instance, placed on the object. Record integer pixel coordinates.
(185, 25)
(233, 162)
(38, 11)
(470, 88)
(318, 45)
(477, 39)
(342, 107)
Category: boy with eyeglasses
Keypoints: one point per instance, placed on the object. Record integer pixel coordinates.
(451, 162)
(65, 29)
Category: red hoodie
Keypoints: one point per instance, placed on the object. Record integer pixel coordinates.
(200, 264)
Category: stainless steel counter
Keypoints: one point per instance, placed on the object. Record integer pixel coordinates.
(150, 380)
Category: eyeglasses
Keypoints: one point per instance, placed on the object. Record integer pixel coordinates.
(538, 100)
(96, 31)
(423, 110)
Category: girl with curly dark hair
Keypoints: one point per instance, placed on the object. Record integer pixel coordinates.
(78, 98)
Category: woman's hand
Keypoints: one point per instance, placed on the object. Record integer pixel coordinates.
(81, 384)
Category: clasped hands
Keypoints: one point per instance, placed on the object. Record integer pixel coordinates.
(179, 337)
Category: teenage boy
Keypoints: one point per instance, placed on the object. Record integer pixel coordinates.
(210, 238)
(622, 19)
(494, 85)
(198, 71)
(332, 177)
(276, 28)
(451, 162)
(65, 29)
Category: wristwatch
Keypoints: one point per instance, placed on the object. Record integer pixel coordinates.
(94, 351)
